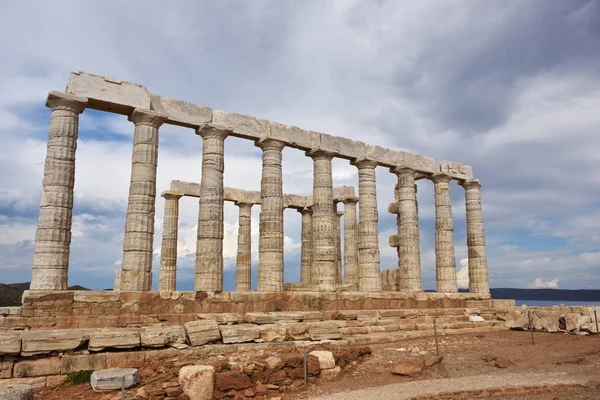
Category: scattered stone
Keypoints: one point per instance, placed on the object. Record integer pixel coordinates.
(232, 380)
(476, 318)
(488, 358)
(503, 363)
(432, 360)
(407, 368)
(142, 393)
(239, 333)
(274, 363)
(331, 373)
(16, 392)
(111, 379)
(326, 360)
(173, 391)
(197, 381)
(401, 349)
(202, 332)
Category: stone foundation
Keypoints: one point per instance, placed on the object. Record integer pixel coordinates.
(101, 309)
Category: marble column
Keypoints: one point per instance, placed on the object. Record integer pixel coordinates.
(270, 242)
(338, 246)
(167, 280)
(445, 262)
(53, 236)
(350, 242)
(139, 221)
(243, 271)
(478, 269)
(306, 249)
(117, 280)
(324, 255)
(408, 232)
(209, 246)
(369, 275)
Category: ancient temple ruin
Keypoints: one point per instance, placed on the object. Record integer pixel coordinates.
(323, 269)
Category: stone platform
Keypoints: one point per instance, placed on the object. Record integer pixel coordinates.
(102, 309)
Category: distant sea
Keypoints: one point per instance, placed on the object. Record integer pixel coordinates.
(556, 303)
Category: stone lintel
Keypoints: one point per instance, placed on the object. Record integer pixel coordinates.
(456, 170)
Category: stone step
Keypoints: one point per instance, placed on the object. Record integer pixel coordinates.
(388, 337)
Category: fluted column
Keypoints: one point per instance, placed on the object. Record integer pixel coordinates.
(324, 255)
(209, 246)
(338, 246)
(445, 262)
(350, 242)
(53, 236)
(478, 269)
(270, 242)
(139, 221)
(369, 276)
(306, 249)
(167, 280)
(117, 280)
(243, 271)
(408, 232)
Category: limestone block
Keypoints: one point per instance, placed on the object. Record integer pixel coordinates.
(347, 148)
(161, 336)
(114, 338)
(44, 342)
(297, 331)
(10, 343)
(16, 392)
(180, 112)
(272, 333)
(82, 362)
(312, 315)
(347, 315)
(53, 381)
(108, 94)
(197, 381)
(259, 318)
(111, 379)
(221, 318)
(294, 137)
(416, 162)
(6, 311)
(239, 333)
(456, 170)
(38, 367)
(202, 332)
(331, 373)
(325, 333)
(241, 125)
(476, 318)
(326, 359)
(191, 189)
(287, 316)
(6, 369)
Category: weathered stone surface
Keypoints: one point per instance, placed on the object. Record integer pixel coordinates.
(6, 368)
(161, 336)
(111, 379)
(445, 262)
(476, 318)
(272, 333)
(325, 333)
(331, 373)
(180, 112)
(407, 368)
(306, 249)
(259, 318)
(197, 381)
(287, 316)
(168, 250)
(10, 343)
(221, 318)
(202, 332)
(114, 338)
(82, 362)
(456, 170)
(39, 367)
(239, 333)
(243, 270)
(232, 380)
(326, 359)
(44, 342)
(16, 392)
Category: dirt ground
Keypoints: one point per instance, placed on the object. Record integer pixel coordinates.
(464, 355)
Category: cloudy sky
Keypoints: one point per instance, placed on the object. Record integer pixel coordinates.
(510, 87)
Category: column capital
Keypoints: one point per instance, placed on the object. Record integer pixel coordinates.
(319, 153)
(364, 163)
(242, 204)
(403, 170)
(340, 213)
(305, 210)
(68, 102)
(440, 178)
(211, 132)
(139, 116)
(169, 194)
(470, 184)
(267, 143)
(350, 200)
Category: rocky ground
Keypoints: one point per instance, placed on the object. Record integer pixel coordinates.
(490, 354)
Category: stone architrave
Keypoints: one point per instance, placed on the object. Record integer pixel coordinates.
(306, 249)
(478, 269)
(369, 276)
(243, 272)
(445, 262)
(167, 280)
(324, 256)
(408, 232)
(350, 242)
(338, 246)
(139, 221)
(53, 236)
(209, 246)
(270, 242)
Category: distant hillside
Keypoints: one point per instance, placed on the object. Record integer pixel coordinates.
(11, 293)
(546, 294)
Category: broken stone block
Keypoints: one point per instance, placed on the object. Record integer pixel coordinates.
(239, 333)
(326, 360)
(325, 333)
(16, 392)
(9, 344)
(407, 368)
(114, 338)
(272, 333)
(331, 373)
(202, 332)
(161, 336)
(111, 379)
(259, 318)
(44, 342)
(221, 318)
(197, 381)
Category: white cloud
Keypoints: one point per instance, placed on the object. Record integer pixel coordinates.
(543, 283)
(462, 275)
